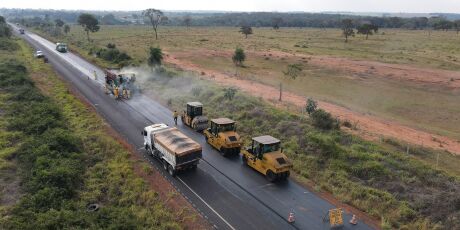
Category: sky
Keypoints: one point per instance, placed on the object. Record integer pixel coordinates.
(393, 6)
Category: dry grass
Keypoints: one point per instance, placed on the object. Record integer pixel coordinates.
(428, 107)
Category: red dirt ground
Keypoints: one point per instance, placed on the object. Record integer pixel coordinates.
(369, 127)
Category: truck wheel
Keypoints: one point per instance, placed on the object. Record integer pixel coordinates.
(206, 138)
(245, 160)
(270, 176)
(165, 165)
(171, 171)
(223, 152)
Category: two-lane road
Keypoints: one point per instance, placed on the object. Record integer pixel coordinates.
(228, 194)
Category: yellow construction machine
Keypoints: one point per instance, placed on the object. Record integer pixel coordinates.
(266, 156)
(193, 117)
(222, 135)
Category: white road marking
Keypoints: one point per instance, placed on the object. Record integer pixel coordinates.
(225, 221)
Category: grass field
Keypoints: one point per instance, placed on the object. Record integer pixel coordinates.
(439, 50)
(56, 158)
(424, 106)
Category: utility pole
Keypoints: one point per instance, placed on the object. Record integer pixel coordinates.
(437, 161)
(281, 90)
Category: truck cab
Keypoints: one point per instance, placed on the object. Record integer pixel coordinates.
(222, 135)
(265, 155)
(147, 132)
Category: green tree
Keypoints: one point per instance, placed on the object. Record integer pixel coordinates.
(246, 30)
(367, 29)
(276, 22)
(89, 23)
(347, 28)
(443, 24)
(293, 71)
(187, 20)
(66, 29)
(155, 18)
(239, 56)
(156, 56)
(59, 22)
(457, 26)
(4, 29)
(311, 106)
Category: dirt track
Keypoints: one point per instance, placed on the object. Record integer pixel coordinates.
(369, 127)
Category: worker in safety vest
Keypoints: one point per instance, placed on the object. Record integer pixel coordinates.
(95, 75)
(175, 114)
(125, 94)
(128, 93)
(115, 92)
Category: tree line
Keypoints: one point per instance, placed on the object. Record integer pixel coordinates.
(253, 19)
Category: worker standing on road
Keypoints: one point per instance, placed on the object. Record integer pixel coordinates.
(175, 117)
(95, 75)
(115, 92)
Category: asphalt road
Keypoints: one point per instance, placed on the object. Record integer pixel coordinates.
(227, 193)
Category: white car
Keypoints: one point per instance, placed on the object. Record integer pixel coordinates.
(39, 54)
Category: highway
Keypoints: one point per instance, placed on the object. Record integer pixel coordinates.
(227, 193)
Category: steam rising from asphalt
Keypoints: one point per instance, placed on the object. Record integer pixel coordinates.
(172, 86)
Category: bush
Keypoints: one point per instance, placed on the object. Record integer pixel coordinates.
(111, 46)
(311, 106)
(113, 55)
(323, 120)
(155, 56)
(5, 31)
(229, 93)
(368, 169)
(8, 45)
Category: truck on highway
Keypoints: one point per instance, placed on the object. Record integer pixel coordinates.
(61, 47)
(266, 156)
(173, 149)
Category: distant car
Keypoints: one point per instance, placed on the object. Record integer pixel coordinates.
(62, 47)
(21, 31)
(39, 54)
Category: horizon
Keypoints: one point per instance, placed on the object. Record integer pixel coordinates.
(287, 6)
(361, 13)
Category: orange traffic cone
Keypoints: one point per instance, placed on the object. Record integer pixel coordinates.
(291, 218)
(354, 220)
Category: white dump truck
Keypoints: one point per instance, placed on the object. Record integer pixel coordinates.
(175, 150)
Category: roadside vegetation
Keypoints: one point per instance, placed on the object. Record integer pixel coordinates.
(381, 180)
(59, 167)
